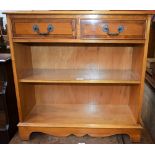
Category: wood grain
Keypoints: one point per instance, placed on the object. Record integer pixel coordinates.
(9, 28)
(74, 94)
(67, 12)
(93, 28)
(75, 85)
(80, 76)
(81, 56)
(81, 115)
(144, 59)
(63, 28)
(92, 41)
(133, 132)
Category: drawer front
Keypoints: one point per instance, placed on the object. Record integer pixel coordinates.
(54, 28)
(112, 29)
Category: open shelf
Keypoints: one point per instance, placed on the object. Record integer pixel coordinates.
(80, 76)
(80, 115)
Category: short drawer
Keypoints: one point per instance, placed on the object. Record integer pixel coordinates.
(54, 28)
(112, 29)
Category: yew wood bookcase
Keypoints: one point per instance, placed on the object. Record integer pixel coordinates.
(79, 72)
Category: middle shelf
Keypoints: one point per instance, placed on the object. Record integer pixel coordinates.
(80, 76)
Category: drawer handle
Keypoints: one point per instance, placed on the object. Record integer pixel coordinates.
(50, 28)
(119, 29)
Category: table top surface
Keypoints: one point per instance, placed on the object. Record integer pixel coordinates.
(2, 87)
(4, 57)
(119, 12)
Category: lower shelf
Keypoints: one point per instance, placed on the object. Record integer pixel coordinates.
(81, 115)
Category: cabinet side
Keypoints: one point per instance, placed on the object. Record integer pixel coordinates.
(9, 28)
(144, 60)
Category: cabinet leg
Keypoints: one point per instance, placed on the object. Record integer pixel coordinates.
(24, 133)
(135, 137)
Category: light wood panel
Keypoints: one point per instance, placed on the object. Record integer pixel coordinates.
(133, 100)
(81, 115)
(62, 16)
(62, 28)
(134, 132)
(74, 94)
(93, 28)
(112, 107)
(100, 41)
(66, 12)
(144, 59)
(80, 76)
(22, 27)
(137, 66)
(23, 61)
(27, 96)
(75, 56)
(22, 58)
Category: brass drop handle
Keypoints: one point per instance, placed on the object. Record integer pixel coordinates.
(36, 29)
(107, 30)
